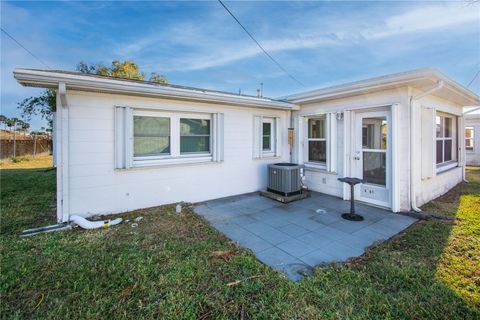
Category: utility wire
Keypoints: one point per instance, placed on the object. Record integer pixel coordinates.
(22, 46)
(473, 79)
(260, 46)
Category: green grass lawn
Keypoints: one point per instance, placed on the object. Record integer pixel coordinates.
(164, 268)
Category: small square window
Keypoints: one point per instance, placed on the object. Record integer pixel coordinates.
(317, 151)
(316, 128)
(194, 136)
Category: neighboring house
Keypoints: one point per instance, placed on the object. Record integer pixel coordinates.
(472, 138)
(123, 145)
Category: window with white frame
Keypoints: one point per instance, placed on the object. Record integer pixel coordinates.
(152, 137)
(194, 136)
(469, 133)
(445, 139)
(268, 135)
(160, 135)
(317, 140)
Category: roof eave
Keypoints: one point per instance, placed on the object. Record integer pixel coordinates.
(44, 79)
(385, 82)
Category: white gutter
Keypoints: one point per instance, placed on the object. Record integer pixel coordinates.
(51, 79)
(413, 201)
(471, 110)
(383, 83)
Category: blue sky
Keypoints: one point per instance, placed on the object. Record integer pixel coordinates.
(199, 44)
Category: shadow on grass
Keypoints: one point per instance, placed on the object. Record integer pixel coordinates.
(458, 266)
(27, 198)
(162, 269)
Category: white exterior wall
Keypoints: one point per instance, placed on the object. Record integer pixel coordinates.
(440, 182)
(473, 157)
(327, 182)
(95, 187)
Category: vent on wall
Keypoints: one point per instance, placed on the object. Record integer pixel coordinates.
(284, 178)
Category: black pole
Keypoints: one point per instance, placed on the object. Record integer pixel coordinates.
(352, 199)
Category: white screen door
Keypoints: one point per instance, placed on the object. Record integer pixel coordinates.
(373, 157)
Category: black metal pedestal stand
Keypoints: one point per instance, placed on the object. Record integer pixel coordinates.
(352, 216)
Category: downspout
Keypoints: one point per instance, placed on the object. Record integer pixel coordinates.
(63, 163)
(413, 201)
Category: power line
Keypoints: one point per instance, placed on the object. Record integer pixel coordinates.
(473, 79)
(259, 45)
(22, 46)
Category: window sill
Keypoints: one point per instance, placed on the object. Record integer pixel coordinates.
(309, 166)
(171, 161)
(446, 166)
(267, 157)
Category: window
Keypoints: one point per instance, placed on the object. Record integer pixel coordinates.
(155, 138)
(163, 136)
(265, 132)
(317, 142)
(194, 136)
(374, 150)
(151, 136)
(267, 135)
(445, 139)
(469, 132)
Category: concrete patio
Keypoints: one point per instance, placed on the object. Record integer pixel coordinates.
(293, 238)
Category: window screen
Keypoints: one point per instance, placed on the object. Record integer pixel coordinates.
(151, 136)
(194, 135)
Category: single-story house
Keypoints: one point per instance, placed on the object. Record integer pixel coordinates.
(122, 144)
(472, 138)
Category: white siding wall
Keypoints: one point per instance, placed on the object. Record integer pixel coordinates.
(430, 189)
(473, 157)
(439, 183)
(95, 187)
(327, 182)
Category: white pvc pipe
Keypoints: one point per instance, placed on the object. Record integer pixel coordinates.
(86, 224)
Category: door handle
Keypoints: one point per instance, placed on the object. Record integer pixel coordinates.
(356, 158)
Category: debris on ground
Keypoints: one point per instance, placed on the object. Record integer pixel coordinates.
(42, 297)
(134, 225)
(138, 219)
(234, 283)
(225, 255)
